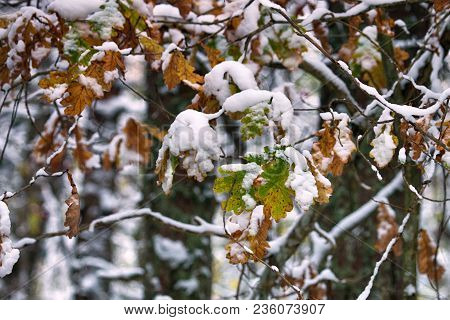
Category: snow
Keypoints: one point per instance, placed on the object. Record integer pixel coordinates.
(143, 8)
(91, 83)
(324, 275)
(301, 180)
(75, 10)
(203, 227)
(24, 242)
(56, 92)
(402, 155)
(8, 255)
(384, 144)
(110, 76)
(171, 251)
(107, 19)
(406, 111)
(414, 190)
(120, 273)
(188, 285)
(281, 108)
(166, 10)
(217, 80)
(252, 171)
(365, 294)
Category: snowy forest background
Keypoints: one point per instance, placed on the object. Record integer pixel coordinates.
(349, 97)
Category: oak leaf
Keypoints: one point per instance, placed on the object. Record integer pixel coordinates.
(73, 216)
(425, 256)
(79, 98)
(387, 229)
(152, 49)
(179, 69)
(213, 55)
(273, 193)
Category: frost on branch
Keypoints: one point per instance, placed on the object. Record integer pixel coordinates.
(385, 141)
(190, 138)
(8, 255)
(335, 146)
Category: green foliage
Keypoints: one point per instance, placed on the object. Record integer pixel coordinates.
(274, 194)
(231, 183)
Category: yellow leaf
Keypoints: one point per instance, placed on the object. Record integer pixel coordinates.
(152, 48)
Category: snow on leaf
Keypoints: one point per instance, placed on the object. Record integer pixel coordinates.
(192, 140)
(237, 181)
(387, 229)
(185, 6)
(73, 216)
(335, 146)
(8, 255)
(385, 142)
(301, 180)
(179, 69)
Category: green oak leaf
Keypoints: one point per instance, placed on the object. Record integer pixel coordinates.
(231, 183)
(274, 194)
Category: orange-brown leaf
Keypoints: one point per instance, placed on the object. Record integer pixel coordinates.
(185, 6)
(179, 69)
(213, 55)
(79, 98)
(387, 229)
(425, 255)
(137, 139)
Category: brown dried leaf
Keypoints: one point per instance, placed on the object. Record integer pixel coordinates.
(425, 256)
(81, 154)
(178, 70)
(137, 140)
(259, 243)
(440, 5)
(79, 98)
(73, 216)
(387, 229)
